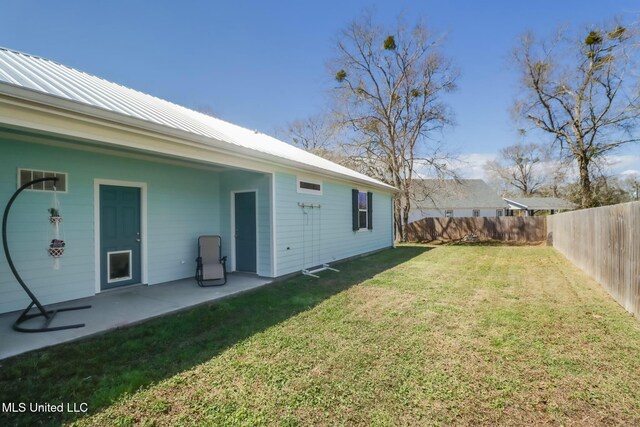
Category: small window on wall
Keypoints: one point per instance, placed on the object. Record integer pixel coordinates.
(476, 213)
(362, 210)
(26, 175)
(309, 187)
(499, 212)
(448, 213)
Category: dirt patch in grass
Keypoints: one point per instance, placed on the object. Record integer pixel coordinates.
(485, 242)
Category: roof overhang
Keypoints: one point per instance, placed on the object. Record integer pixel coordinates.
(23, 108)
(515, 205)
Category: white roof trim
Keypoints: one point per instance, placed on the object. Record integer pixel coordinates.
(52, 84)
(515, 205)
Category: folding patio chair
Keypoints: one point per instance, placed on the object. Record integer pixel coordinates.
(210, 265)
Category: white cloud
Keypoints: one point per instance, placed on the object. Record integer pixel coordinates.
(623, 164)
(471, 165)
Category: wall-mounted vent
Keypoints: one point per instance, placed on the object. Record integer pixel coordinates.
(26, 175)
(309, 187)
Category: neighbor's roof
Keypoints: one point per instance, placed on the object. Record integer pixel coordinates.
(538, 203)
(60, 81)
(456, 194)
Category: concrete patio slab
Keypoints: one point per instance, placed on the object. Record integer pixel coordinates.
(118, 308)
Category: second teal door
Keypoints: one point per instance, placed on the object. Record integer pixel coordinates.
(245, 231)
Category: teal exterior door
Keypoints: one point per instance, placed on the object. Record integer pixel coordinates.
(119, 236)
(245, 231)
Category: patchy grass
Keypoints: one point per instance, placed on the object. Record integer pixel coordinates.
(456, 335)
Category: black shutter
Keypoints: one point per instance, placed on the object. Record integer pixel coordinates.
(354, 210)
(370, 210)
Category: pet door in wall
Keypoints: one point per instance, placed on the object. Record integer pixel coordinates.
(119, 266)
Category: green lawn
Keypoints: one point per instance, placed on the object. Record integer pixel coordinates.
(448, 335)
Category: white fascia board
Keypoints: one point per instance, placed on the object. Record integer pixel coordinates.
(515, 205)
(60, 107)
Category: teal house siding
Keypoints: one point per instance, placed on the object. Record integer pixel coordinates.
(240, 181)
(188, 168)
(182, 203)
(308, 237)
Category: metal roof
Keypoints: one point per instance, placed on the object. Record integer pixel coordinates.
(62, 82)
(456, 194)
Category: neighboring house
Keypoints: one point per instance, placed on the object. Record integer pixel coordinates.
(455, 198)
(142, 178)
(529, 206)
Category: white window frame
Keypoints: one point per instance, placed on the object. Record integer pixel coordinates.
(19, 183)
(448, 213)
(308, 190)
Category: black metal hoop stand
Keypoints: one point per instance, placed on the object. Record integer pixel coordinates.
(47, 314)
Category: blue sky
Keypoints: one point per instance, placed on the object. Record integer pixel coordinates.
(261, 64)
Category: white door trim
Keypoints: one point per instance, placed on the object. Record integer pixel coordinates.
(274, 246)
(144, 278)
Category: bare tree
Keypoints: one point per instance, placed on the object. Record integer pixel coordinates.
(321, 135)
(581, 94)
(557, 172)
(606, 190)
(314, 133)
(520, 166)
(389, 94)
(631, 184)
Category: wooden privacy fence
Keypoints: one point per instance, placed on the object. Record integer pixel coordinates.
(509, 228)
(605, 243)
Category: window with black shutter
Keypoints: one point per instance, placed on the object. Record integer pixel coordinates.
(362, 212)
